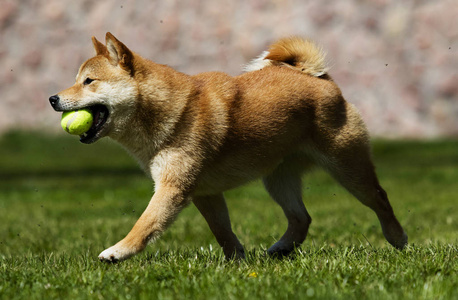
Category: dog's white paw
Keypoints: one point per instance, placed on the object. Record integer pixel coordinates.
(115, 254)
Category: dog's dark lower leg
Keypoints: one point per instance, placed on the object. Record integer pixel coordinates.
(215, 212)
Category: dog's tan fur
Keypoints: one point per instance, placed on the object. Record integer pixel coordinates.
(197, 136)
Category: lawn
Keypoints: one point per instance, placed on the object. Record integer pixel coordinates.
(62, 203)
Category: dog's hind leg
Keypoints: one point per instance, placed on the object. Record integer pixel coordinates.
(284, 186)
(215, 212)
(352, 167)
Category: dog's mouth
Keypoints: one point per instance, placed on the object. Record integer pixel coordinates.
(100, 116)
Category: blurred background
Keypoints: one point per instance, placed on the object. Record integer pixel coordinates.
(395, 60)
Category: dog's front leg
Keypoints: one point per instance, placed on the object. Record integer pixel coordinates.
(215, 212)
(166, 203)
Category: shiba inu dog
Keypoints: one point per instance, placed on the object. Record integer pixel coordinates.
(198, 136)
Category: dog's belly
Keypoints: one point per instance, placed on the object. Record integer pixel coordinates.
(218, 180)
(240, 162)
(225, 175)
(235, 170)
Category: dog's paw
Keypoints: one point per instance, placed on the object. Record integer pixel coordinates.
(280, 249)
(234, 254)
(116, 254)
(399, 243)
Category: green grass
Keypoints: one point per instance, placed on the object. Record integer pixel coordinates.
(62, 203)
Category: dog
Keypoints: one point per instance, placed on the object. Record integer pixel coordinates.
(198, 136)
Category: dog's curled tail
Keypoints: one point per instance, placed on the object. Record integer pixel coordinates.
(294, 52)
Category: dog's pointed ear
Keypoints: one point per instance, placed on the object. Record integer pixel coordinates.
(100, 49)
(119, 54)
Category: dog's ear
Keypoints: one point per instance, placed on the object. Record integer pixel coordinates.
(100, 49)
(119, 54)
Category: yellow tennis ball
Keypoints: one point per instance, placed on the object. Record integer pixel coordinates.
(76, 122)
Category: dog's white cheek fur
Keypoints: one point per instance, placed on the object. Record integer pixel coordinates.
(120, 99)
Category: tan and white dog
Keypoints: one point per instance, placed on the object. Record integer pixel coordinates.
(198, 136)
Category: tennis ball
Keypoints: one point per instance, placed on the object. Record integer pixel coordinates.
(76, 122)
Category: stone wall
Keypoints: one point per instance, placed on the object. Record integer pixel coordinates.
(397, 61)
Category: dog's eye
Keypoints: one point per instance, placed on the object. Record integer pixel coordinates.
(88, 81)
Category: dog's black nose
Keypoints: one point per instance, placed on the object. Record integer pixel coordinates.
(54, 100)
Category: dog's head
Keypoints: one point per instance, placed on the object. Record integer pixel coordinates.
(104, 84)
